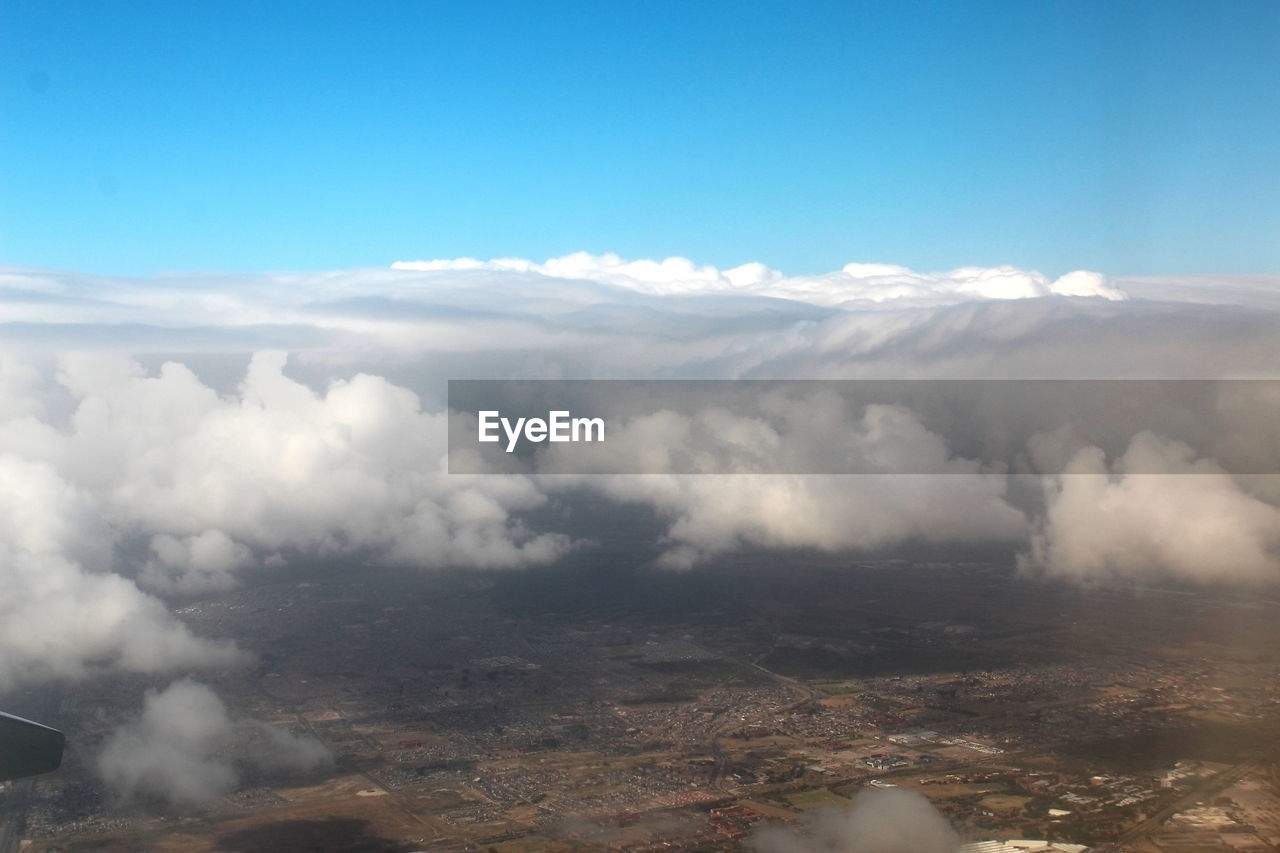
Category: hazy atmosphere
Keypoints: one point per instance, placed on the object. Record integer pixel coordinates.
(244, 250)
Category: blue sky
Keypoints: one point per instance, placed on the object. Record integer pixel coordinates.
(1131, 138)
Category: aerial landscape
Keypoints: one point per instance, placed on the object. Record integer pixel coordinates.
(458, 715)
(647, 428)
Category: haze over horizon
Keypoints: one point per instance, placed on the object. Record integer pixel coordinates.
(244, 248)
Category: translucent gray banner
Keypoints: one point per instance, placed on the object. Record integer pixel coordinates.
(864, 426)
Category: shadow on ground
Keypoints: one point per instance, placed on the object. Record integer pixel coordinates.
(333, 835)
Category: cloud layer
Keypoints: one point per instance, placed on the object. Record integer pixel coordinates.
(205, 486)
(853, 285)
(156, 441)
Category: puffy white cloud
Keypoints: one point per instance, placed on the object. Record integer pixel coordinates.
(668, 276)
(181, 748)
(64, 613)
(206, 562)
(214, 485)
(157, 455)
(280, 467)
(177, 750)
(853, 284)
(887, 820)
(710, 513)
(1193, 522)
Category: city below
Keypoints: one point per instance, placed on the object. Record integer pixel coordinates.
(640, 711)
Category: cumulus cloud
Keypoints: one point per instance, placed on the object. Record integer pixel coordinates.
(64, 614)
(155, 440)
(214, 485)
(710, 513)
(205, 562)
(177, 750)
(1193, 522)
(181, 748)
(851, 285)
(279, 467)
(887, 820)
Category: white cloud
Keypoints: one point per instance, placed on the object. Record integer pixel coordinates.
(64, 614)
(214, 485)
(1193, 522)
(853, 284)
(193, 469)
(712, 513)
(280, 467)
(177, 750)
(887, 820)
(601, 316)
(180, 748)
(205, 562)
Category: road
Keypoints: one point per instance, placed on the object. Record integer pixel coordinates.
(1198, 794)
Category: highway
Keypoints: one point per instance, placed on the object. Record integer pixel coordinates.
(1198, 794)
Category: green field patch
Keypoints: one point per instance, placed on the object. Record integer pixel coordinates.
(815, 799)
(1004, 802)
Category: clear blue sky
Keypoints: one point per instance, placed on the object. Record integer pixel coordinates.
(1124, 137)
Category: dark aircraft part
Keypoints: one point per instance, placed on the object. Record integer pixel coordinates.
(27, 748)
